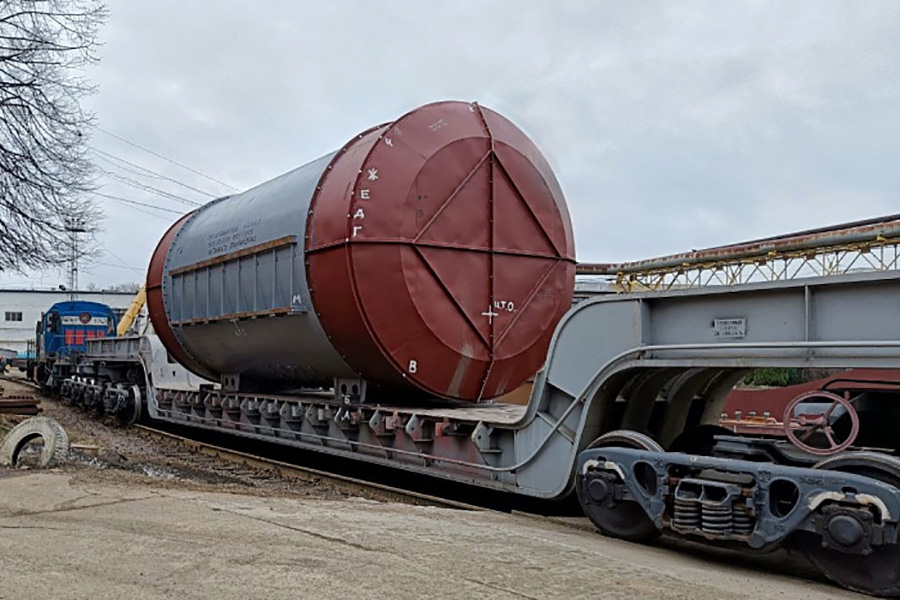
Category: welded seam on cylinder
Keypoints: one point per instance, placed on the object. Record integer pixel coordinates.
(439, 245)
(496, 160)
(309, 251)
(528, 299)
(491, 244)
(484, 123)
(453, 195)
(326, 173)
(450, 295)
(531, 212)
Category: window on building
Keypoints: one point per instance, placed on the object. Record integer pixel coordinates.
(13, 316)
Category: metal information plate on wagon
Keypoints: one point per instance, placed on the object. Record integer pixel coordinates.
(735, 328)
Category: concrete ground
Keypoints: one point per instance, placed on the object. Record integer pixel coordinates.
(65, 538)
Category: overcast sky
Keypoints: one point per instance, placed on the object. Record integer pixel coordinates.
(670, 126)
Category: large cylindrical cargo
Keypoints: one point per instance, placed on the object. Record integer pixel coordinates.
(430, 256)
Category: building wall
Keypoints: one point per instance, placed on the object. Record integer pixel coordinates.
(15, 334)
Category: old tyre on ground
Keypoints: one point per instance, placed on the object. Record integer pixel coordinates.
(56, 442)
(623, 519)
(878, 573)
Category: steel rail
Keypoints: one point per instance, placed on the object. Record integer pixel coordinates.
(23, 382)
(353, 485)
(290, 471)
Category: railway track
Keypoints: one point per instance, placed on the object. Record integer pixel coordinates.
(248, 466)
(199, 451)
(350, 485)
(21, 381)
(196, 449)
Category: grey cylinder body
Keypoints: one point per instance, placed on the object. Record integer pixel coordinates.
(237, 263)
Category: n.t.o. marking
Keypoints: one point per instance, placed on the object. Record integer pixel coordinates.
(507, 305)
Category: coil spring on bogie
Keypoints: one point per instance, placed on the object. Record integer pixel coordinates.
(716, 519)
(742, 520)
(686, 514)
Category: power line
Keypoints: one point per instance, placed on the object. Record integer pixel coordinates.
(117, 257)
(102, 264)
(146, 171)
(151, 214)
(146, 212)
(126, 169)
(156, 154)
(136, 203)
(149, 188)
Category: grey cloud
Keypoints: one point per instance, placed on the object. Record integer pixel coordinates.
(670, 125)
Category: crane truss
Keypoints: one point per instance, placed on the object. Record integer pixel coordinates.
(857, 247)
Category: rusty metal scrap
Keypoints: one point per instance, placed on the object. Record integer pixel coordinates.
(19, 405)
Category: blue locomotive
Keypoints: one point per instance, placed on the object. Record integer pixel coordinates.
(61, 336)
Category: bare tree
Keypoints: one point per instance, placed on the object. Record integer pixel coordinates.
(45, 174)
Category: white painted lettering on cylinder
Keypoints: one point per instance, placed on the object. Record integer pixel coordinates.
(413, 366)
(364, 194)
(359, 214)
(507, 305)
(356, 229)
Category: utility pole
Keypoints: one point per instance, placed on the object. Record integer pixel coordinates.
(74, 226)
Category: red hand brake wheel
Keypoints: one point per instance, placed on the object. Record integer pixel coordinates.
(800, 428)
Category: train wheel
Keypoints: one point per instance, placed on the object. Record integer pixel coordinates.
(623, 519)
(133, 410)
(877, 572)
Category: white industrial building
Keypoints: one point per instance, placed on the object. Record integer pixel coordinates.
(20, 310)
